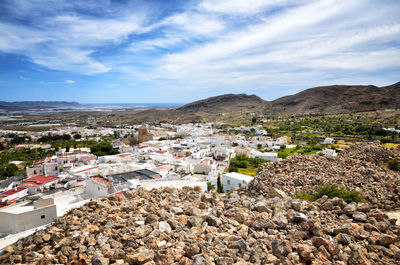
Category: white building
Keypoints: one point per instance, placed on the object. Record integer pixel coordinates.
(329, 152)
(234, 180)
(25, 215)
(328, 141)
(271, 156)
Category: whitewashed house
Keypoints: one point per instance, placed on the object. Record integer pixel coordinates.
(234, 180)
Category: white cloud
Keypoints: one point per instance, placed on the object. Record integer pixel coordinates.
(70, 81)
(246, 7)
(322, 40)
(66, 42)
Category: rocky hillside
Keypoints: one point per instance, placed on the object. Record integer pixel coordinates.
(169, 226)
(225, 103)
(338, 99)
(360, 167)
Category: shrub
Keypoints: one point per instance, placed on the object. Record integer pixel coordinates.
(302, 195)
(394, 164)
(210, 186)
(332, 191)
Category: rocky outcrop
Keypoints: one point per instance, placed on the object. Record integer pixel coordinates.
(170, 226)
(361, 167)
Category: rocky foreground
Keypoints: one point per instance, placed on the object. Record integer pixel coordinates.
(170, 226)
(360, 167)
(255, 225)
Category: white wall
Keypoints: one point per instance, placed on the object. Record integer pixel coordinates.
(230, 183)
(12, 223)
(96, 189)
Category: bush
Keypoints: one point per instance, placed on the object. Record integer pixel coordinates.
(394, 164)
(302, 195)
(210, 186)
(332, 191)
(103, 149)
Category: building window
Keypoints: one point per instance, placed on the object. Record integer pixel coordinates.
(34, 172)
(98, 188)
(42, 216)
(229, 182)
(240, 185)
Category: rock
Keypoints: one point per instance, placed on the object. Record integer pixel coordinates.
(261, 207)
(386, 240)
(350, 209)
(280, 220)
(327, 206)
(344, 239)
(98, 260)
(263, 224)
(213, 221)
(305, 252)
(278, 193)
(360, 217)
(164, 227)
(141, 256)
(151, 218)
(199, 260)
(299, 218)
(196, 220)
(357, 257)
(281, 248)
(46, 237)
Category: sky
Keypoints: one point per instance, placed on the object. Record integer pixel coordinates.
(121, 51)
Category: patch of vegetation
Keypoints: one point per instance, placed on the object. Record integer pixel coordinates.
(390, 145)
(103, 149)
(245, 165)
(24, 154)
(54, 138)
(306, 150)
(394, 164)
(247, 171)
(8, 171)
(332, 191)
(210, 186)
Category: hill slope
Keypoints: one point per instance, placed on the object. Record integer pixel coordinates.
(36, 104)
(224, 103)
(338, 99)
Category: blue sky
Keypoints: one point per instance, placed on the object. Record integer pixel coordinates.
(103, 51)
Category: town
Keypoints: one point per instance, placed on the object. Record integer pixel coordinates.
(141, 156)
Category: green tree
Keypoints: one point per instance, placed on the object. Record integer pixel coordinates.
(77, 136)
(220, 187)
(8, 171)
(394, 164)
(103, 149)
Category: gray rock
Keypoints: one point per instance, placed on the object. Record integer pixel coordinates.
(299, 218)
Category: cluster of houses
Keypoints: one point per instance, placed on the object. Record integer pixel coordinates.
(176, 156)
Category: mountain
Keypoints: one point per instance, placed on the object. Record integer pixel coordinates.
(212, 108)
(23, 105)
(338, 99)
(224, 103)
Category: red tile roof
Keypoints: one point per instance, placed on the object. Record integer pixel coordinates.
(30, 184)
(40, 179)
(101, 180)
(11, 192)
